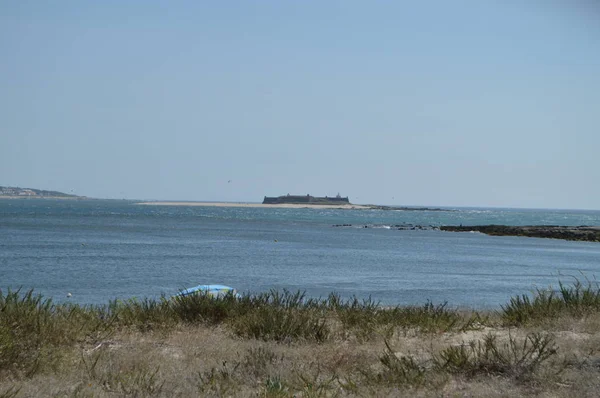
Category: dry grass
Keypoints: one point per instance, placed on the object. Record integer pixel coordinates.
(145, 350)
(208, 361)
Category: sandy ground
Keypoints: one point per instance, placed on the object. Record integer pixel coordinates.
(257, 205)
(209, 361)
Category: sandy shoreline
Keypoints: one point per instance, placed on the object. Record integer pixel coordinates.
(256, 205)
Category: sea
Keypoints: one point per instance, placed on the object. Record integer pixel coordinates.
(95, 251)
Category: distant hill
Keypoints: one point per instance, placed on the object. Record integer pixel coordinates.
(16, 192)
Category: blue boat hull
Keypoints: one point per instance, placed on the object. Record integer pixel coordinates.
(212, 290)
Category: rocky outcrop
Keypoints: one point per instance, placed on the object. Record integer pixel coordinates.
(580, 233)
(399, 227)
(404, 208)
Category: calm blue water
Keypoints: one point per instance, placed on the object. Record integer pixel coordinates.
(101, 250)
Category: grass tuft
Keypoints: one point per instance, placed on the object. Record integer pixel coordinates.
(204, 308)
(282, 324)
(274, 387)
(400, 370)
(513, 358)
(31, 330)
(577, 301)
(258, 361)
(218, 381)
(144, 314)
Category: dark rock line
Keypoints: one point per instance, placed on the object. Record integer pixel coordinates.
(400, 227)
(580, 233)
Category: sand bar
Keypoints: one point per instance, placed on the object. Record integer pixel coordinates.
(257, 205)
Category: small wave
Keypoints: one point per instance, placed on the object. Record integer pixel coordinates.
(476, 211)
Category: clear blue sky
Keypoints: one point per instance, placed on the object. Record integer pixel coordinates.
(462, 103)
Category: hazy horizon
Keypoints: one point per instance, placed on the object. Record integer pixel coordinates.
(469, 104)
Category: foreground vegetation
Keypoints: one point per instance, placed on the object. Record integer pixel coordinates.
(282, 344)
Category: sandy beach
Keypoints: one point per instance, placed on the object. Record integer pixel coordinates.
(257, 205)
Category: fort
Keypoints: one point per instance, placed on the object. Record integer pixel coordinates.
(306, 199)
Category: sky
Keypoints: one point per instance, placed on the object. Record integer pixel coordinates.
(462, 103)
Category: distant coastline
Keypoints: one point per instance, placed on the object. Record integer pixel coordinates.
(6, 197)
(28, 193)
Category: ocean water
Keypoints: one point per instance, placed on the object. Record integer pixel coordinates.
(102, 250)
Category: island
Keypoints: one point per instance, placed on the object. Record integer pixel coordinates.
(579, 233)
(306, 200)
(336, 200)
(297, 202)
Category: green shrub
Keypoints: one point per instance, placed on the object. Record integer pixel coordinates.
(577, 300)
(281, 324)
(487, 356)
(364, 318)
(27, 331)
(360, 318)
(32, 329)
(144, 314)
(204, 308)
(427, 318)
